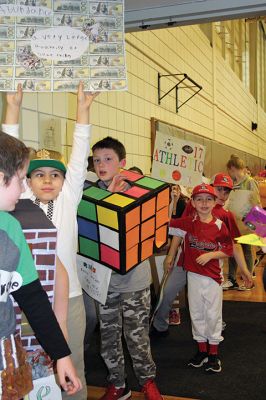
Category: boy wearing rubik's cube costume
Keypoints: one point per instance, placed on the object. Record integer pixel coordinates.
(120, 220)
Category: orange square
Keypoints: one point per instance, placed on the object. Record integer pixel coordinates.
(132, 237)
(163, 199)
(131, 257)
(147, 249)
(132, 218)
(162, 217)
(147, 229)
(148, 209)
(161, 235)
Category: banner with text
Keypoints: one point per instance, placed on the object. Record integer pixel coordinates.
(177, 160)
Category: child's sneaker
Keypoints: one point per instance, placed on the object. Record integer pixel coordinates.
(230, 284)
(200, 358)
(112, 393)
(214, 364)
(150, 390)
(174, 317)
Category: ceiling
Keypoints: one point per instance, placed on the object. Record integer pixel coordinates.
(153, 14)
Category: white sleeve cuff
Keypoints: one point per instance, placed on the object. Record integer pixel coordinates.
(12, 130)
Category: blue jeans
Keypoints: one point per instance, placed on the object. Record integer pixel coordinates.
(176, 281)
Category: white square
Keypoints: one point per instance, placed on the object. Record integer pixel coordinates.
(109, 237)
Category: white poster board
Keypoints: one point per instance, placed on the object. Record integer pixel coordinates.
(50, 45)
(177, 160)
(94, 278)
(240, 203)
(45, 388)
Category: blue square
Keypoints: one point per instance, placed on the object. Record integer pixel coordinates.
(87, 229)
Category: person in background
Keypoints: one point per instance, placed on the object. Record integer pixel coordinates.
(136, 169)
(244, 196)
(167, 315)
(91, 176)
(248, 170)
(223, 186)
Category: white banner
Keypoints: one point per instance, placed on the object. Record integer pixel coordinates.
(177, 160)
(94, 278)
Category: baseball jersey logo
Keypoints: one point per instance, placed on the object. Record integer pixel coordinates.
(194, 243)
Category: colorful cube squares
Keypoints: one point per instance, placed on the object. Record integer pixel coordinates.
(132, 218)
(120, 230)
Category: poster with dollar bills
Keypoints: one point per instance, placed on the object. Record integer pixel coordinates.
(50, 45)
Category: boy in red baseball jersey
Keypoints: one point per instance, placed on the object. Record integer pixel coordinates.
(223, 185)
(206, 243)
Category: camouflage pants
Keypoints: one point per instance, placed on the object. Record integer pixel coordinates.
(128, 314)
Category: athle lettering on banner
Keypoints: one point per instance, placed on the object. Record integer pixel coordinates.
(192, 162)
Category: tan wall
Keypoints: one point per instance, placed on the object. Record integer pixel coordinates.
(223, 110)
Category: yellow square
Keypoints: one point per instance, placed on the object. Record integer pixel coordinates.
(107, 217)
(119, 200)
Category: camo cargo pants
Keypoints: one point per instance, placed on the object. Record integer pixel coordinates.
(126, 313)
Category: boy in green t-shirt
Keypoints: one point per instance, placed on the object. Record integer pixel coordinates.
(18, 277)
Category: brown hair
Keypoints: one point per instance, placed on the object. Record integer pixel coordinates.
(111, 143)
(235, 162)
(13, 156)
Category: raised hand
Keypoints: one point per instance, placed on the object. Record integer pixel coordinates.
(84, 101)
(14, 101)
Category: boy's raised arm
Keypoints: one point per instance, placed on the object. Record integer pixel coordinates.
(14, 101)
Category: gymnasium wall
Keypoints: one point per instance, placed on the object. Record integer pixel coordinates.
(222, 111)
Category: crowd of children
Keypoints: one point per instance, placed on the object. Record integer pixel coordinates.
(202, 234)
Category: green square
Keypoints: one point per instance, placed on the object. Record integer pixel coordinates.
(150, 183)
(96, 193)
(88, 248)
(87, 209)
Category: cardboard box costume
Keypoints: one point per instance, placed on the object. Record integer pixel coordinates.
(41, 236)
(120, 230)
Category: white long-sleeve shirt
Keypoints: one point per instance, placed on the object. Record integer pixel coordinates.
(66, 204)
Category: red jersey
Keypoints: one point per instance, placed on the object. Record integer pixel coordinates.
(219, 212)
(199, 238)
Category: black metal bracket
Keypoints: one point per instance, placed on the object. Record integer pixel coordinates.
(177, 87)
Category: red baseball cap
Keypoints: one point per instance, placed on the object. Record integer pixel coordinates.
(203, 188)
(223, 180)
